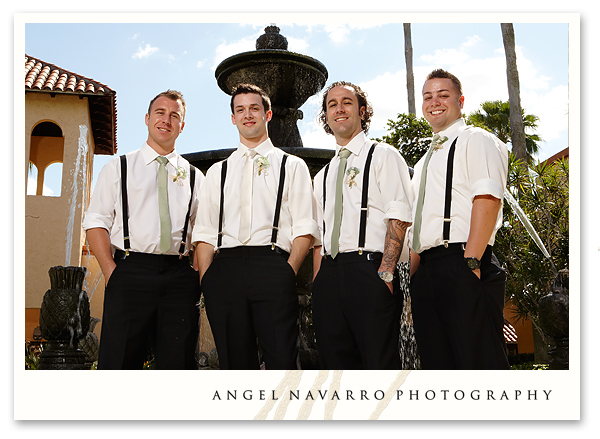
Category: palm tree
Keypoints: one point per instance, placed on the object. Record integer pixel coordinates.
(410, 78)
(512, 74)
(496, 117)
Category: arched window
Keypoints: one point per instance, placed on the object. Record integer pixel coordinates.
(46, 159)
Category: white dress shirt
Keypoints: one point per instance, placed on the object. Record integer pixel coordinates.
(105, 209)
(480, 168)
(390, 195)
(297, 217)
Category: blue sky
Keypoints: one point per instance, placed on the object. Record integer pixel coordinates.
(141, 59)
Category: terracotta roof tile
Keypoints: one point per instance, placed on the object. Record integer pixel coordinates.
(44, 77)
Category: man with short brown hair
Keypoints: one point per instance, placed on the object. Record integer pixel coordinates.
(252, 236)
(457, 285)
(137, 225)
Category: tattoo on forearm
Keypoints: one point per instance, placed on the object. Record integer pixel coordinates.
(394, 240)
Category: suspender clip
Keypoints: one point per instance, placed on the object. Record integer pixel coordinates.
(360, 251)
(126, 252)
(445, 243)
(272, 246)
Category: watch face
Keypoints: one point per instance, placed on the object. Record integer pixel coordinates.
(472, 263)
(386, 276)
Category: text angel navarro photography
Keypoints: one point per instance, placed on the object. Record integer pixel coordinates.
(378, 395)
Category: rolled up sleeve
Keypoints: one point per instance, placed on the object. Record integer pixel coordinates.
(394, 184)
(487, 165)
(302, 203)
(101, 210)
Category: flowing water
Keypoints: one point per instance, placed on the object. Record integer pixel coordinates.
(80, 168)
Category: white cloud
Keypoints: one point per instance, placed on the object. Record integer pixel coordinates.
(297, 45)
(200, 63)
(472, 41)
(225, 50)
(339, 32)
(145, 52)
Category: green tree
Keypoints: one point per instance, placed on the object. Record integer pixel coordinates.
(411, 135)
(542, 192)
(494, 116)
(518, 136)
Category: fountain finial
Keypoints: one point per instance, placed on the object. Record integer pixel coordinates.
(271, 39)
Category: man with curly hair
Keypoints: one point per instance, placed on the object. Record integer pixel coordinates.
(457, 284)
(364, 207)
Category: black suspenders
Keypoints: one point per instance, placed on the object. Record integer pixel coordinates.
(221, 202)
(362, 228)
(277, 203)
(125, 209)
(187, 215)
(448, 200)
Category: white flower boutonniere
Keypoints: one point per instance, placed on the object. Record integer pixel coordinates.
(261, 165)
(437, 142)
(179, 175)
(351, 174)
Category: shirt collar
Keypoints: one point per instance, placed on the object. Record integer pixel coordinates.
(263, 149)
(452, 129)
(150, 155)
(355, 145)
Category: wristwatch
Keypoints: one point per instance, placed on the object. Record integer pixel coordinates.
(386, 276)
(473, 263)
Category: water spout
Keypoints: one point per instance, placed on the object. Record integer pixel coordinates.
(80, 167)
(514, 204)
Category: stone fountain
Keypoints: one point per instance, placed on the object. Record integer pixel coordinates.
(289, 79)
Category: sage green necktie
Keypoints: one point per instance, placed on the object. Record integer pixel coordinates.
(246, 201)
(163, 205)
(421, 198)
(337, 211)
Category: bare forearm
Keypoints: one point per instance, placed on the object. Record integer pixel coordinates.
(99, 241)
(316, 260)
(300, 248)
(483, 220)
(415, 260)
(203, 257)
(394, 241)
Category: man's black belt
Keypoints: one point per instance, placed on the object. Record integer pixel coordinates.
(120, 254)
(347, 257)
(250, 251)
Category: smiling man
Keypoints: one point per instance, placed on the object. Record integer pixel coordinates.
(364, 207)
(252, 236)
(138, 228)
(457, 285)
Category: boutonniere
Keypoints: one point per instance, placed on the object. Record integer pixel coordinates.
(179, 175)
(437, 142)
(351, 174)
(261, 165)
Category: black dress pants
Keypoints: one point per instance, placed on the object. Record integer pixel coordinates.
(249, 293)
(150, 300)
(458, 318)
(355, 316)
